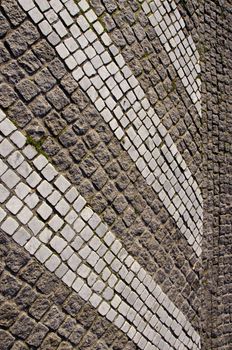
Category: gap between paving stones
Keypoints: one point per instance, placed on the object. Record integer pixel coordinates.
(166, 166)
(130, 299)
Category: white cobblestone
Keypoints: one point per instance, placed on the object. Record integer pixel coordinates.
(7, 127)
(69, 278)
(44, 211)
(4, 193)
(56, 5)
(14, 205)
(71, 195)
(72, 7)
(21, 236)
(40, 161)
(2, 214)
(60, 29)
(44, 188)
(10, 178)
(26, 4)
(45, 27)
(15, 159)
(52, 263)
(49, 172)
(62, 184)
(74, 261)
(30, 152)
(9, 225)
(6, 148)
(56, 223)
(33, 179)
(24, 169)
(35, 225)
(51, 16)
(32, 245)
(3, 167)
(58, 244)
(43, 4)
(66, 17)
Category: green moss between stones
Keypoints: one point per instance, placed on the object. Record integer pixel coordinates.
(37, 144)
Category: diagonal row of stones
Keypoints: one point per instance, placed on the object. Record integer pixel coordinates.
(130, 30)
(162, 171)
(39, 311)
(61, 239)
(41, 97)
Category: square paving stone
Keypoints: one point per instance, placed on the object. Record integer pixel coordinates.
(57, 98)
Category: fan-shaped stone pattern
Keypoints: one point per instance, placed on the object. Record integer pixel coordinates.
(130, 30)
(152, 238)
(50, 219)
(157, 157)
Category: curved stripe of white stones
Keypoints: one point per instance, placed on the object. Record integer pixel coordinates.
(102, 73)
(168, 24)
(50, 219)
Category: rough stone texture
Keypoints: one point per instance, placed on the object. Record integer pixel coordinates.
(51, 316)
(129, 29)
(83, 146)
(217, 77)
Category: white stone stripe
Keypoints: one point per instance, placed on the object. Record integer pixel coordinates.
(49, 218)
(168, 24)
(102, 73)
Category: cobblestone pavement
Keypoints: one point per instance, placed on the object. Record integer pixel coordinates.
(112, 114)
(121, 102)
(102, 171)
(169, 26)
(130, 30)
(70, 240)
(39, 312)
(217, 46)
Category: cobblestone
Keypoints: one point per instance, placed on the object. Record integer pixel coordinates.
(4, 25)
(57, 98)
(13, 72)
(27, 89)
(7, 96)
(6, 339)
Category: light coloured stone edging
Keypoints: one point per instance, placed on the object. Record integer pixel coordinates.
(100, 70)
(46, 215)
(168, 24)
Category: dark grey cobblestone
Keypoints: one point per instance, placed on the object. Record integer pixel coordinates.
(13, 11)
(7, 95)
(13, 72)
(4, 25)
(27, 89)
(20, 114)
(6, 340)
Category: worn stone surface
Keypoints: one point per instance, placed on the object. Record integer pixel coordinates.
(130, 30)
(39, 95)
(217, 77)
(95, 162)
(54, 318)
